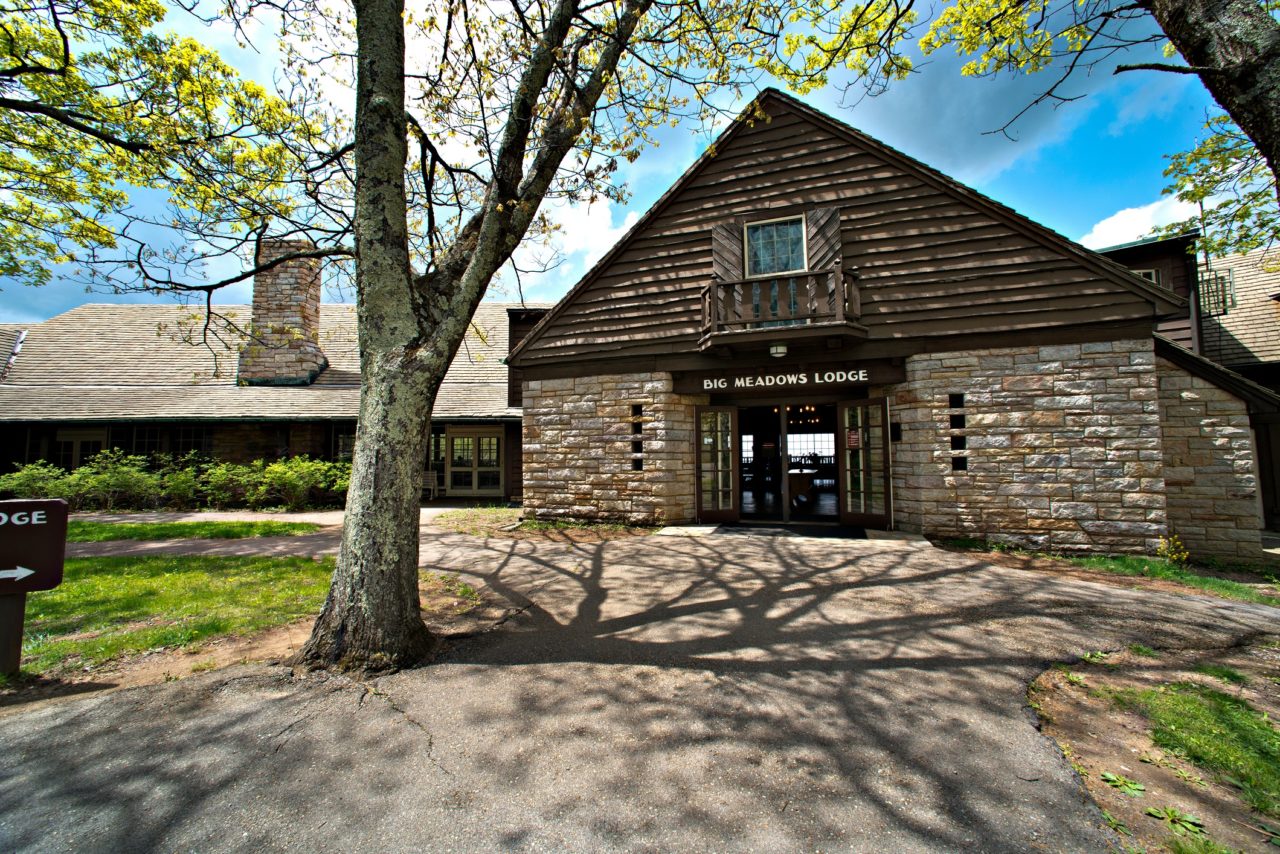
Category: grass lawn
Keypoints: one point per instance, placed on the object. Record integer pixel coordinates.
(81, 531)
(1200, 725)
(1150, 567)
(108, 607)
(1136, 566)
(1220, 733)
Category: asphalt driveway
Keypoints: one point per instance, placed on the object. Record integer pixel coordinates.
(663, 693)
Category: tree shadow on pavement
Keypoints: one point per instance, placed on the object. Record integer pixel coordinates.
(808, 679)
(649, 694)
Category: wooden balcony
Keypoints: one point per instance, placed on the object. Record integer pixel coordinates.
(795, 305)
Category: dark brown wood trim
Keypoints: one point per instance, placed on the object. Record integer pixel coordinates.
(1260, 400)
(679, 358)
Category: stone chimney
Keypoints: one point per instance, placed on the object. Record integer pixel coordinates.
(284, 347)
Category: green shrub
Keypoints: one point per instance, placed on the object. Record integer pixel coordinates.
(114, 480)
(293, 483)
(339, 480)
(181, 480)
(229, 485)
(36, 480)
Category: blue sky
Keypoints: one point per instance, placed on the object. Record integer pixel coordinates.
(1090, 169)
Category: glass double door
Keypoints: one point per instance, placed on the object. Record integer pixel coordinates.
(473, 461)
(864, 464)
(735, 479)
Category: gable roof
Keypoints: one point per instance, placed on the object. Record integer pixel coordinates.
(1261, 400)
(144, 362)
(773, 103)
(1179, 240)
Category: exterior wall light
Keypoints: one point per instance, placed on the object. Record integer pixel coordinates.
(777, 351)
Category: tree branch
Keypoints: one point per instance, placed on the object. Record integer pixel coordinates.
(69, 120)
(1162, 66)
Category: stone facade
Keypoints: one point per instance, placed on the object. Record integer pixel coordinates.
(1062, 444)
(1095, 447)
(578, 449)
(1210, 467)
(285, 345)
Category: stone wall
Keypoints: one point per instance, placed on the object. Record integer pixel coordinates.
(578, 458)
(310, 438)
(285, 330)
(244, 442)
(1210, 467)
(1063, 447)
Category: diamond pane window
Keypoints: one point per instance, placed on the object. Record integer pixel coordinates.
(775, 247)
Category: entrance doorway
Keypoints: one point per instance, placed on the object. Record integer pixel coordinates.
(788, 461)
(819, 462)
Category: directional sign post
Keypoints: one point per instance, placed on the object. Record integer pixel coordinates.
(33, 545)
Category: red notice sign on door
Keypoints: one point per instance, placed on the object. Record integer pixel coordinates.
(853, 439)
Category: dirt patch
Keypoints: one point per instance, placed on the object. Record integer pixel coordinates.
(506, 523)
(573, 533)
(1098, 736)
(451, 609)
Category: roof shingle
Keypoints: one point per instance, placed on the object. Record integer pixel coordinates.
(125, 362)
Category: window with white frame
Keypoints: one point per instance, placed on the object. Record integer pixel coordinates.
(775, 246)
(1151, 275)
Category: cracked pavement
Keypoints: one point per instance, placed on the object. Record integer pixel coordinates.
(658, 693)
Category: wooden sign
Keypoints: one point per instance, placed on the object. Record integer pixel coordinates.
(33, 544)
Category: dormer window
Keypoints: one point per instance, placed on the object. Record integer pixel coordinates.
(1152, 276)
(775, 246)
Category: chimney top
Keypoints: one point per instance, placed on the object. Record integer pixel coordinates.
(284, 345)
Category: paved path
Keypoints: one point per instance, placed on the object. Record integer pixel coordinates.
(318, 517)
(658, 693)
(323, 542)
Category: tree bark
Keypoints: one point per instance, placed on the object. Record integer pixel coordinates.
(410, 329)
(371, 619)
(1234, 46)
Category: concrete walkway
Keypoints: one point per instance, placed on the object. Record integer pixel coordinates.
(323, 542)
(658, 693)
(316, 517)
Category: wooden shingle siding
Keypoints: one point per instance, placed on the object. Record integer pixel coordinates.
(1178, 331)
(824, 239)
(931, 260)
(1248, 334)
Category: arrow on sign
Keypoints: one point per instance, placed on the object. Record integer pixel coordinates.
(15, 574)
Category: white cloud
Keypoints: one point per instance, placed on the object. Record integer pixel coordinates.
(1133, 223)
(585, 233)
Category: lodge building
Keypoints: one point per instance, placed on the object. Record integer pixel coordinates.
(810, 325)
(276, 379)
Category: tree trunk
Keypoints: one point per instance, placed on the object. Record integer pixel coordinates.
(371, 619)
(1234, 46)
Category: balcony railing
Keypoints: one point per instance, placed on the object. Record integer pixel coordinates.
(818, 298)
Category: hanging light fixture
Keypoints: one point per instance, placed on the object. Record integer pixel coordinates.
(777, 351)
